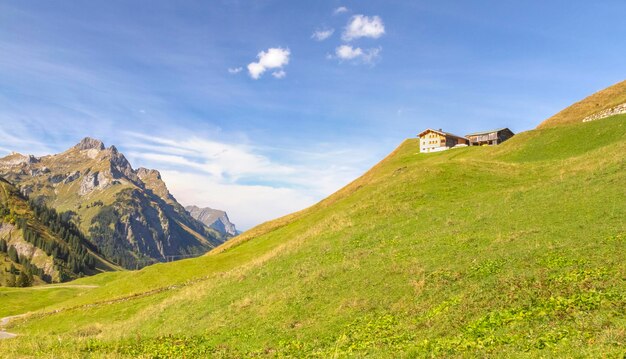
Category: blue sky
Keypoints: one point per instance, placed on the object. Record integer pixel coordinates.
(170, 83)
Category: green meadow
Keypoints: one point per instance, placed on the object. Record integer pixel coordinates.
(505, 251)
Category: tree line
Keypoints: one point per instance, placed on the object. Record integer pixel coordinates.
(24, 277)
(74, 251)
(70, 254)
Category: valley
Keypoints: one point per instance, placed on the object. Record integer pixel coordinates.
(485, 251)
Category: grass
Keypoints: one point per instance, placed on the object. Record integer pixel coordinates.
(599, 101)
(490, 251)
(23, 300)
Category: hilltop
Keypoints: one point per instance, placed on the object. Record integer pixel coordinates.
(604, 100)
(128, 214)
(499, 251)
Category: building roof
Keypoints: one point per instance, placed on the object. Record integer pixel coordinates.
(491, 131)
(441, 133)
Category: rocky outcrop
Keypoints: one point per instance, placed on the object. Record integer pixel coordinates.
(89, 183)
(213, 218)
(94, 181)
(152, 181)
(617, 110)
(18, 159)
(39, 171)
(120, 167)
(72, 177)
(89, 143)
(58, 178)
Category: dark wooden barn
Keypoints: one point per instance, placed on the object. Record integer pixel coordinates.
(492, 137)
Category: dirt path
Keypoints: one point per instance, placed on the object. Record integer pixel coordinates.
(3, 322)
(62, 286)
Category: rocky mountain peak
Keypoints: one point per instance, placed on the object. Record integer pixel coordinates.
(143, 172)
(213, 218)
(89, 143)
(146, 220)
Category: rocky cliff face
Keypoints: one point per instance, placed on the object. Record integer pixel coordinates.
(129, 214)
(213, 218)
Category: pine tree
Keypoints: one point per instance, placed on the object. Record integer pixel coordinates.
(10, 281)
(13, 254)
(24, 280)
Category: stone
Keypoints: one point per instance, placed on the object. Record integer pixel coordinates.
(617, 110)
(88, 143)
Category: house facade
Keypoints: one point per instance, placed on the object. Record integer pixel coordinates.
(438, 140)
(492, 137)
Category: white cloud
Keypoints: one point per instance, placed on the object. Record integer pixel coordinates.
(279, 74)
(253, 184)
(241, 179)
(220, 160)
(246, 205)
(347, 52)
(340, 10)
(371, 55)
(350, 53)
(234, 70)
(321, 35)
(273, 58)
(363, 26)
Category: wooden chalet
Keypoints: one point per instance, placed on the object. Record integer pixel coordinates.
(438, 140)
(492, 137)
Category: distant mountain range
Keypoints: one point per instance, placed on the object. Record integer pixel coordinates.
(213, 218)
(128, 214)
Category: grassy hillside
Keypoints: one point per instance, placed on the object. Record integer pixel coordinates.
(480, 251)
(599, 101)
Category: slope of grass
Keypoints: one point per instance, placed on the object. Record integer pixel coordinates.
(490, 251)
(599, 101)
(17, 301)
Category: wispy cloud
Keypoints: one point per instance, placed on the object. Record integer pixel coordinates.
(322, 34)
(242, 178)
(247, 205)
(234, 70)
(279, 74)
(340, 10)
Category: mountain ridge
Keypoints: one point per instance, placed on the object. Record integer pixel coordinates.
(130, 214)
